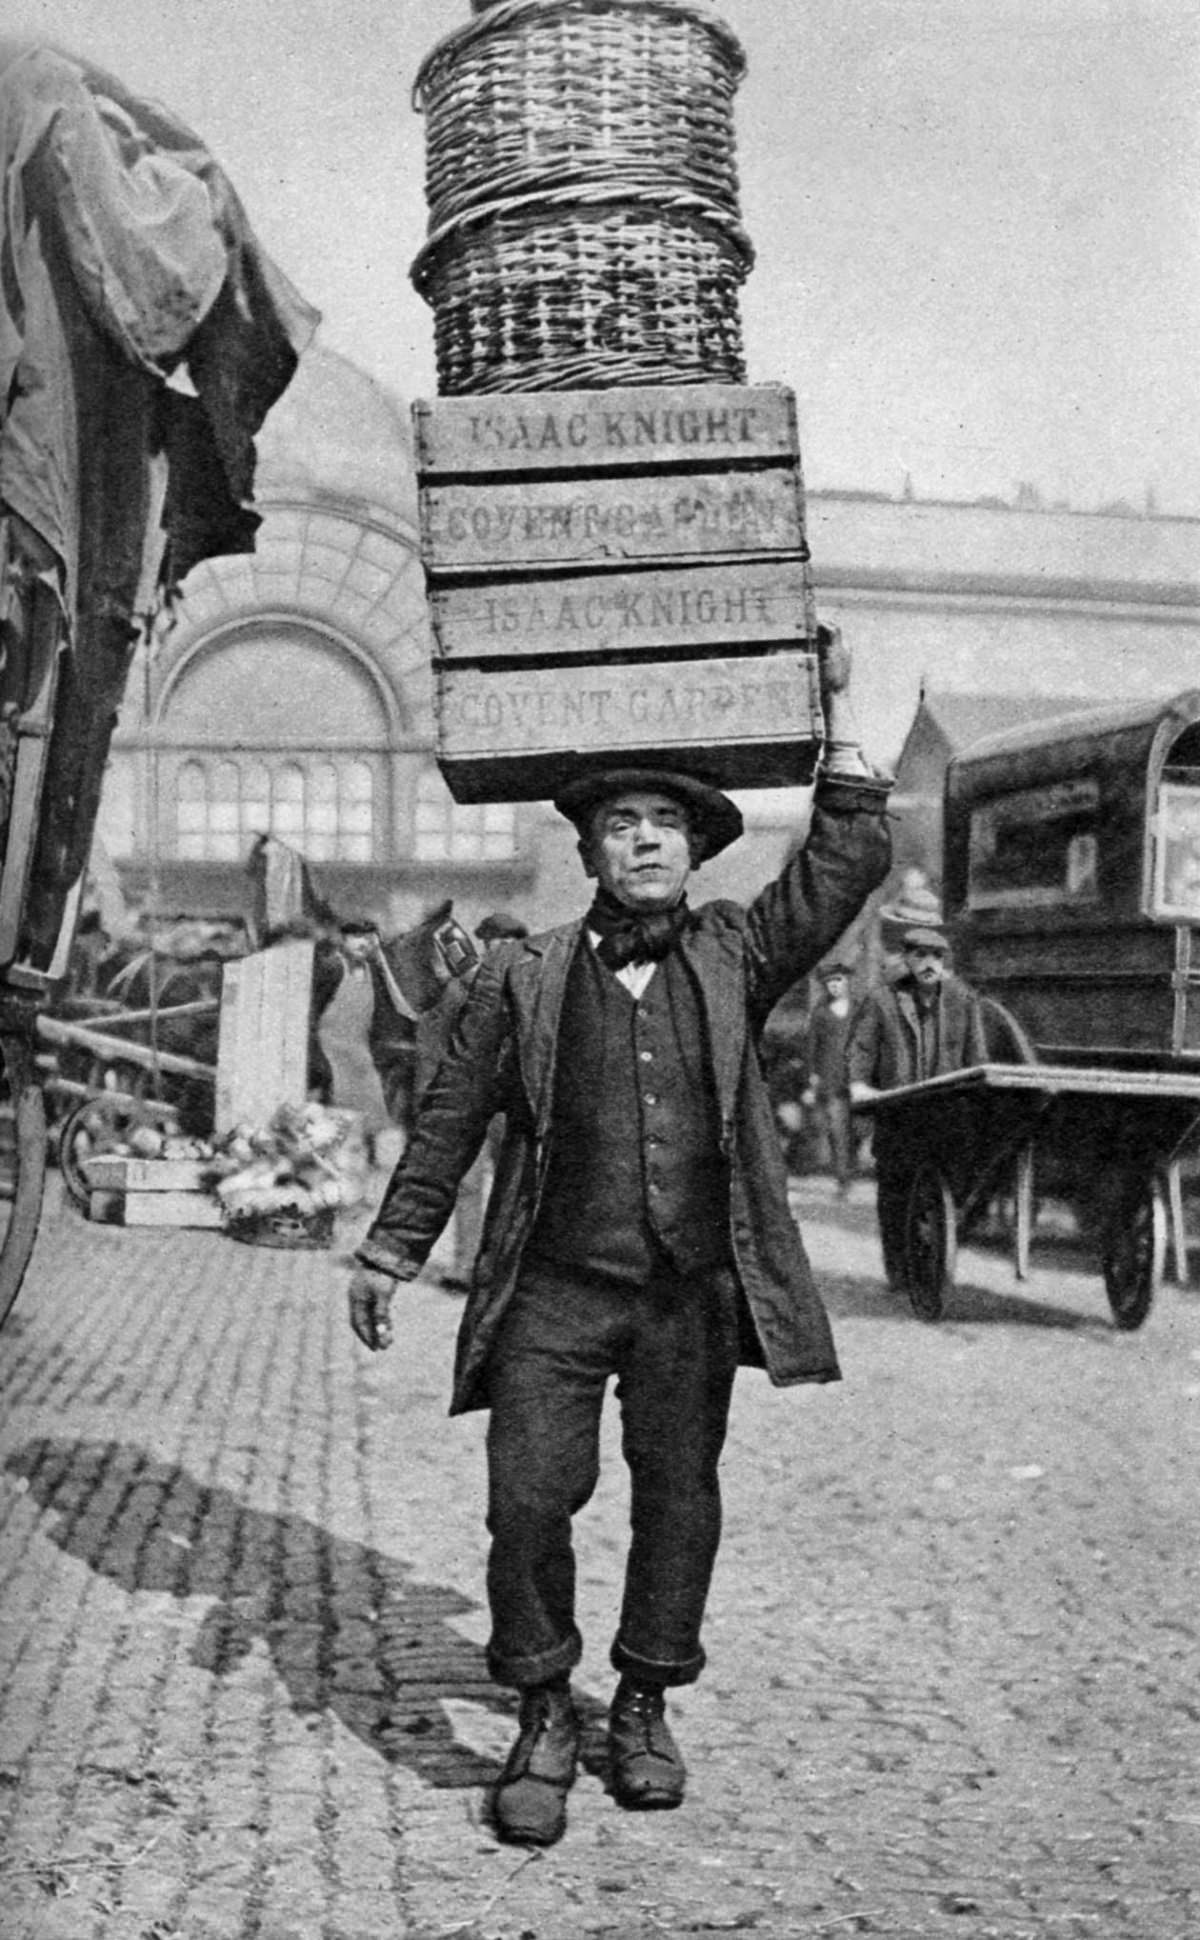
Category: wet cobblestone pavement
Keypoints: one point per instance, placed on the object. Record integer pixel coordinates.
(954, 1635)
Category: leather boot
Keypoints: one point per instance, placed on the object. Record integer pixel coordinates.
(647, 1770)
(530, 1801)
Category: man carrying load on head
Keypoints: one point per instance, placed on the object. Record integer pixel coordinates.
(638, 1227)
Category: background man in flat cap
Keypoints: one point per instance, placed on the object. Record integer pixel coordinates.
(638, 1227)
(827, 1092)
(924, 1022)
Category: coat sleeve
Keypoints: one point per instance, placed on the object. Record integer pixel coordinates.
(468, 1088)
(846, 854)
(862, 1045)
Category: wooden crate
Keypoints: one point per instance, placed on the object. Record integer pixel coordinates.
(128, 1191)
(195, 1209)
(749, 721)
(617, 573)
(114, 1172)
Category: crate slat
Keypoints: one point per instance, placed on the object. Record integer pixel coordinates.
(114, 1172)
(751, 719)
(599, 521)
(734, 603)
(661, 426)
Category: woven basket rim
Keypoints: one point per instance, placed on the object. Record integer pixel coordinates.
(657, 202)
(506, 13)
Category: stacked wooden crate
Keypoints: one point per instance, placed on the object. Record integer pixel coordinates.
(612, 520)
(129, 1191)
(619, 572)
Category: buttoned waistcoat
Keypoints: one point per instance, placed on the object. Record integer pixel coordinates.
(503, 1058)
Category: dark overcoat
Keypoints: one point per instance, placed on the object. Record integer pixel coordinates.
(885, 1034)
(502, 1059)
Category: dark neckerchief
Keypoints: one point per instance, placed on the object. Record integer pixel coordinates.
(626, 937)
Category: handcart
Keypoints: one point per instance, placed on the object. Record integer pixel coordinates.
(1103, 1139)
(127, 1078)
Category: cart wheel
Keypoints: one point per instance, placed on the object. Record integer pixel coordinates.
(22, 1163)
(930, 1244)
(95, 1125)
(1135, 1252)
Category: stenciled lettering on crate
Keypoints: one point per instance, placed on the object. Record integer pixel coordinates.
(661, 427)
(617, 572)
(756, 601)
(540, 521)
(529, 718)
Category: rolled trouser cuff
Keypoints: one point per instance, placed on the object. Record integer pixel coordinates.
(653, 1670)
(539, 1667)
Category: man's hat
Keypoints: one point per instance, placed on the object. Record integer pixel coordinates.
(925, 938)
(498, 923)
(716, 819)
(838, 968)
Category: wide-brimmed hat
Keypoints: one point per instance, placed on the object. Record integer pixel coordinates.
(499, 923)
(925, 937)
(716, 819)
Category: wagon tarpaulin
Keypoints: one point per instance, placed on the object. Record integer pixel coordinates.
(144, 335)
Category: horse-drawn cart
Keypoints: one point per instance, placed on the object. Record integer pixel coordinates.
(1102, 1140)
(143, 338)
(1072, 895)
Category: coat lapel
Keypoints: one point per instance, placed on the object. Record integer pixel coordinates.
(538, 984)
(720, 979)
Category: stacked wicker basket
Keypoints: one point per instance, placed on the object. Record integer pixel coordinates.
(584, 226)
(625, 574)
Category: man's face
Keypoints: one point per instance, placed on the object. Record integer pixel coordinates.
(360, 944)
(928, 967)
(639, 849)
(835, 989)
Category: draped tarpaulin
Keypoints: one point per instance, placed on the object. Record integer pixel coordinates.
(144, 335)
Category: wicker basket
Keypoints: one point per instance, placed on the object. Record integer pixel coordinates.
(288, 1228)
(584, 219)
(597, 92)
(582, 298)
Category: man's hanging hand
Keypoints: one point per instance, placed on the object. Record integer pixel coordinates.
(371, 1306)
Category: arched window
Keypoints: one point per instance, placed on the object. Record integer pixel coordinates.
(450, 831)
(326, 808)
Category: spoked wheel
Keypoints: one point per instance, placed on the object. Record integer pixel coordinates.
(930, 1244)
(22, 1162)
(96, 1125)
(1135, 1252)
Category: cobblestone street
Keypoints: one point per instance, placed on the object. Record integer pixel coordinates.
(953, 1638)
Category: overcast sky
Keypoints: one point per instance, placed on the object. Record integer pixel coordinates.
(976, 220)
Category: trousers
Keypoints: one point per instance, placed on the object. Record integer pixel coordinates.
(672, 1345)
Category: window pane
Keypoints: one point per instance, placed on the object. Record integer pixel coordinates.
(323, 782)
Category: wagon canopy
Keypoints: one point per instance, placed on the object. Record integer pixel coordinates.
(144, 335)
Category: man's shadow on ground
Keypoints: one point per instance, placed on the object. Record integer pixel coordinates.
(349, 1630)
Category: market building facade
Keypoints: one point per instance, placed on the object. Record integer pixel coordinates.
(292, 692)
